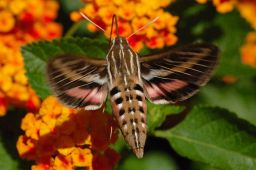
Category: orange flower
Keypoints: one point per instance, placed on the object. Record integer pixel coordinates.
(248, 50)
(82, 157)
(222, 6)
(20, 23)
(61, 138)
(3, 104)
(248, 10)
(126, 13)
(201, 1)
(132, 15)
(229, 79)
(63, 163)
(155, 42)
(7, 21)
(26, 147)
(105, 160)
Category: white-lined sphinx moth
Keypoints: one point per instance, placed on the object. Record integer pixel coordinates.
(164, 78)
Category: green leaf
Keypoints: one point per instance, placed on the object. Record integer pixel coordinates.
(215, 136)
(6, 161)
(151, 161)
(201, 166)
(158, 113)
(239, 97)
(71, 5)
(9, 133)
(37, 54)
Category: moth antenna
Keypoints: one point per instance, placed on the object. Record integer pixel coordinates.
(88, 19)
(141, 28)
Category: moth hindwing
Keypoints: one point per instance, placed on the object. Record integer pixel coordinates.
(163, 78)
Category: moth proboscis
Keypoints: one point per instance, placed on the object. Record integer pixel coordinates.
(167, 77)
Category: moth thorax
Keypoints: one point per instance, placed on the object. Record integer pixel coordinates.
(119, 41)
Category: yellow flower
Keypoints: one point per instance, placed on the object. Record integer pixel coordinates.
(3, 4)
(3, 104)
(170, 39)
(63, 163)
(89, 10)
(20, 23)
(224, 6)
(248, 50)
(126, 13)
(103, 2)
(229, 79)
(7, 21)
(201, 1)
(155, 42)
(82, 157)
(26, 147)
(61, 138)
(106, 13)
(140, 22)
(248, 10)
(132, 15)
(31, 126)
(75, 16)
(43, 165)
(17, 6)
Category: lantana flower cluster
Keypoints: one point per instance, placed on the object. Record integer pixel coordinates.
(247, 8)
(222, 6)
(22, 22)
(248, 50)
(61, 138)
(133, 15)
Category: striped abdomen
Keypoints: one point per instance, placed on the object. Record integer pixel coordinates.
(126, 92)
(129, 108)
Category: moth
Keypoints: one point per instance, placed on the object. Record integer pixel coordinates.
(129, 80)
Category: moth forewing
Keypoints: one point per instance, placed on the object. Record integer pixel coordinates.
(78, 81)
(178, 74)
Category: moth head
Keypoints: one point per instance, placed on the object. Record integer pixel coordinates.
(119, 41)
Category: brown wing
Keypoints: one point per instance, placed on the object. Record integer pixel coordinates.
(178, 74)
(78, 81)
